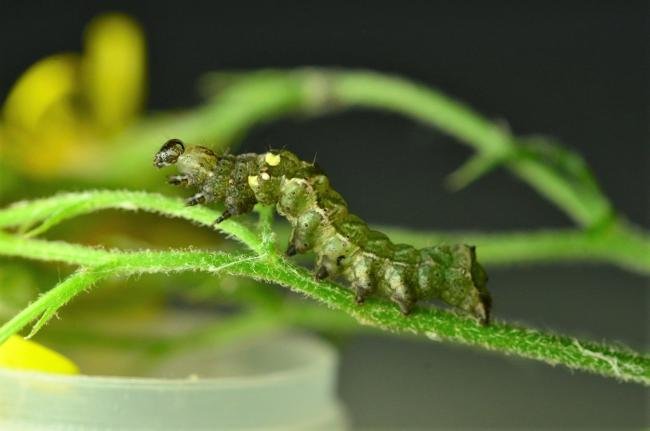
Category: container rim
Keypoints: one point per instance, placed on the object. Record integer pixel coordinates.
(319, 355)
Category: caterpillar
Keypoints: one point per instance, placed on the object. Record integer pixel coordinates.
(344, 244)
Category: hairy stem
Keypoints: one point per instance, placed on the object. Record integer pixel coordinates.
(619, 243)
(556, 173)
(54, 210)
(47, 304)
(109, 264)
(434, 323)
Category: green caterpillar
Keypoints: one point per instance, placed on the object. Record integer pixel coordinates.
(321, 222)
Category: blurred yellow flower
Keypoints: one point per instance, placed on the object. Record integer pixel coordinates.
(61, 109)
(18, 353)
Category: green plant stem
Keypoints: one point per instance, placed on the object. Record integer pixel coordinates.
(250, 98)
(379, 91)
(619, 243)
(110, 263)
(434, 323)
(54, 210)
(317, 90)
(47, 304)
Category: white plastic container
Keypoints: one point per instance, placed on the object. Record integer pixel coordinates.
(285, 382)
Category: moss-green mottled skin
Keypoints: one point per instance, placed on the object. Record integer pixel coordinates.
(344, 243)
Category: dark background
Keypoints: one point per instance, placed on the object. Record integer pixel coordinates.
(577, 71)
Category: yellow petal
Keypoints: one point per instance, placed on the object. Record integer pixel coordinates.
(44, 84)
(114, 70)
(18, 353)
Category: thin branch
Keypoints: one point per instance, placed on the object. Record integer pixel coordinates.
(558, 174)
(53, 210)
(434, 323)
(47, 304)
(620, 244)
(113, 263)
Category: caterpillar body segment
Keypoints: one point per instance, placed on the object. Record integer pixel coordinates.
(344, 244)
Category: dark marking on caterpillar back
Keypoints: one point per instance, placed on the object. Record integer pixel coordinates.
(344, 244)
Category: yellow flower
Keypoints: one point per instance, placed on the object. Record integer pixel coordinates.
(18, 353)
(61, 109)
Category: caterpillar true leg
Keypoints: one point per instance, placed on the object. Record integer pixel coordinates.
(235, 205)
(321, 272)
(196, 199)
(321, 221)
(179, 180)
(224, 216)
(291, 249)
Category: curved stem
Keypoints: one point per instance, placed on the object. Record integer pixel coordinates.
(620, 244)
(436, 324)
(494, 142)
(559, 175)
(52, 211)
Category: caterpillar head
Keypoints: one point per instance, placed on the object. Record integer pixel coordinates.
(169, 153)
(196, 162)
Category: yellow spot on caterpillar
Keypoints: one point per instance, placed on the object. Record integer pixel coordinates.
(18, 353)
(272, 159)
(265, 176)
(252, 181)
